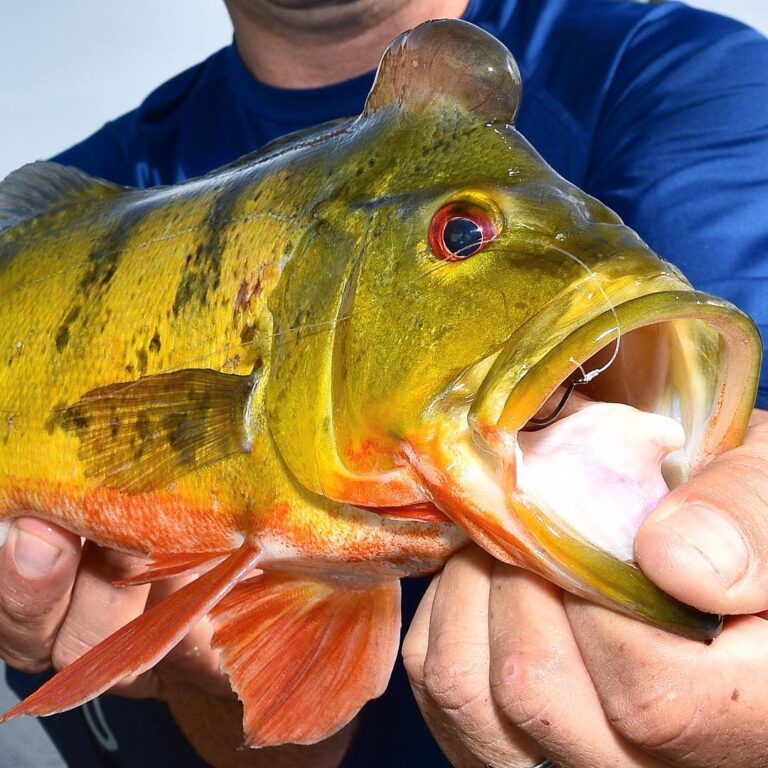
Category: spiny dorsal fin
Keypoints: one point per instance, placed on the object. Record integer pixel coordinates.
(141, 435)
(43, 187)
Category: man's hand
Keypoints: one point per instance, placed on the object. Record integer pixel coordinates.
(57, 600)
(507, 670)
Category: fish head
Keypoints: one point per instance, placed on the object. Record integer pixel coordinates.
(479, 289)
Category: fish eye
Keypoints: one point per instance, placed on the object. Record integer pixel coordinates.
(460, 230)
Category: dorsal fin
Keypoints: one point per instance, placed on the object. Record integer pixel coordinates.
(43, 187)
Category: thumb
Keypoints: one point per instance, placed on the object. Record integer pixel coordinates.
(38, 564)
(707, 542)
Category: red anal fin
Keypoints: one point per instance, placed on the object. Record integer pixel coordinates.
(425, 511)
(304, 655)
(138, 645)
(166, 566)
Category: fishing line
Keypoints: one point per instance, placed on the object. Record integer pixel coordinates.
(535, 424)
(587, 377)
(447, 263)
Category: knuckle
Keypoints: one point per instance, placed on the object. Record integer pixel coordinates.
(28, 666)
(519, 693)
(66, 650)
(27, 660)
(413, 660)
(656, 716)
(455, 677)
(17, 607)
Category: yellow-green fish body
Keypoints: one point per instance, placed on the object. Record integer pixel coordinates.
(124, 285)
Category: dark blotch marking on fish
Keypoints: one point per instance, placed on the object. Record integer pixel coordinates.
(735, 695)
(248, 333)
(154, 343)
(62, 338)
(68, 418)
(105, 257)
(202, 273)
(143, 426)
(55, 417)
(177, 427)
(184, 291)
(62, 335)
(141, 358)
(301, 320)
(80, 420)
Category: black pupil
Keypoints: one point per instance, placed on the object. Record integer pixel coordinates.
(462, 237)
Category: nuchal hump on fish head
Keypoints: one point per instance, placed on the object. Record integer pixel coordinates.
(481, 288)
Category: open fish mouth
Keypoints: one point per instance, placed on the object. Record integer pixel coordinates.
(558, 478)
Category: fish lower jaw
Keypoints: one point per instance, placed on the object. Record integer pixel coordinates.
(592, 476)
(535, 506)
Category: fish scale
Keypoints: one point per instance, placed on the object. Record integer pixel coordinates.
(284, 377)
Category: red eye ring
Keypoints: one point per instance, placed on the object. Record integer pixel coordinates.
(460, 230)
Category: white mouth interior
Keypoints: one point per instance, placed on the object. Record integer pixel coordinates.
(599, 469)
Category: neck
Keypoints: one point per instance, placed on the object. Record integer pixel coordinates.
(311, 43)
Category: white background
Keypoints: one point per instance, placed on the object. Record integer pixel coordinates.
(67, 66)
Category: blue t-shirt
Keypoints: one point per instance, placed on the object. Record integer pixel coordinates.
(657, 110)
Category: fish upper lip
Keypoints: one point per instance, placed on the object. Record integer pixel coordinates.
(523, 377)
(498, 386)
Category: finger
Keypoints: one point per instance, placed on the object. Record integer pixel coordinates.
(455, 697)
(98, 607)
(685, 702)
(538, 679)
(38, 564)
(707, 543)
(415, 648)
(416, 639)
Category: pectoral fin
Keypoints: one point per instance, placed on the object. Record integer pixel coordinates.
(138, 645)
(144, 434)
(304, 655)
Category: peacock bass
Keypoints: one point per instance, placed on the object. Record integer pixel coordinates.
(321, 368)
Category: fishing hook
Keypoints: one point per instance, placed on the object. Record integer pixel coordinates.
(534, 425)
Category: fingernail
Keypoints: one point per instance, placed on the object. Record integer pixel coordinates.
(35, 557)
(714, 538)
